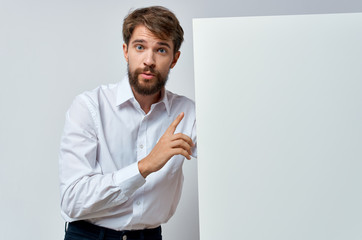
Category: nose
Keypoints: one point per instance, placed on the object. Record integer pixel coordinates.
(149, 59)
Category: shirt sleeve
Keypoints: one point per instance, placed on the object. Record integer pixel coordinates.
(85, 191)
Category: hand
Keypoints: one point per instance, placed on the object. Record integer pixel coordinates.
(169, 145)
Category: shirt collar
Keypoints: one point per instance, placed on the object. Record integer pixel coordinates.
(164, 99)
(124, 93)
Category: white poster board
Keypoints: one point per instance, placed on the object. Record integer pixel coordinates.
(279, 111)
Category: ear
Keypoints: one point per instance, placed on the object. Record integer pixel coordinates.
(125, 51)
(175, 58)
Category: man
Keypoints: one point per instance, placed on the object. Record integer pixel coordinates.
(124, 144)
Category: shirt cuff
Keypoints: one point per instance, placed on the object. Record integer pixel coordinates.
(129, 179)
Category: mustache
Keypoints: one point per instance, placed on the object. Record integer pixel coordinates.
(146, 69)
(149, 69)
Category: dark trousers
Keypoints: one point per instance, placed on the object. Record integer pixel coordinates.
(82, 230)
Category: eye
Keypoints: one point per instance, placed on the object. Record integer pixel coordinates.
(162, 50)
(139, 47)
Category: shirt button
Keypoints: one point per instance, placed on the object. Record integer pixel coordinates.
(141, 146)
(138, 203)
(124, 237)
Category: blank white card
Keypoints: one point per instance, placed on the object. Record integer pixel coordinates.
(279, 122)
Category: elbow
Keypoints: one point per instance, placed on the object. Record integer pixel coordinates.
(71, 209)
(69, 212)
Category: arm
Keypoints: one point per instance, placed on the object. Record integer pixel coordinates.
(85, 191)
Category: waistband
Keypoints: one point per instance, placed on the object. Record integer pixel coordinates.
(90, 228)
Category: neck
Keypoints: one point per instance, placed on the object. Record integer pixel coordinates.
(146, 101)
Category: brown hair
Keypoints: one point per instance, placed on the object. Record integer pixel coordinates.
(159, 20)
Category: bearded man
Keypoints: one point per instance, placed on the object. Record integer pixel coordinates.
(124, 144)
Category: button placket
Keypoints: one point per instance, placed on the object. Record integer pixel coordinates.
(141, 153)
(141, 139)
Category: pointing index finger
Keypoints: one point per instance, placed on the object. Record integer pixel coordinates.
(171, 129)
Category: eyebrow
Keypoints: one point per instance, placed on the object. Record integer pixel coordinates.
(138, 41)
(159, 43)
(164, 44)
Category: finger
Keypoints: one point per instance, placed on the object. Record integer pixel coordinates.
(181, 144)
(171, 129)
(186, 144)
(183, 137)
(181, 151)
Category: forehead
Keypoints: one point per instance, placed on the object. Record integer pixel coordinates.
(142, 33)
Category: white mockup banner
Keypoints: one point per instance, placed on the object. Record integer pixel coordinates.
(279, 121)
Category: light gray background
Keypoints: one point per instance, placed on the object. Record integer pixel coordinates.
(279, 127)
(52, 50)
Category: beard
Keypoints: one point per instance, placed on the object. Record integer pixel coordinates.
(150, 89)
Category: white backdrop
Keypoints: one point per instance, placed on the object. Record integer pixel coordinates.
(52, 50)
(279, 127)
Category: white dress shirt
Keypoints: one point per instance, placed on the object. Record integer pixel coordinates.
(106, 133)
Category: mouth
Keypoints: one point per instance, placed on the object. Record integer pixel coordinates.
(147, 75)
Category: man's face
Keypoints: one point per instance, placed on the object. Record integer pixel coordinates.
(149, 61)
